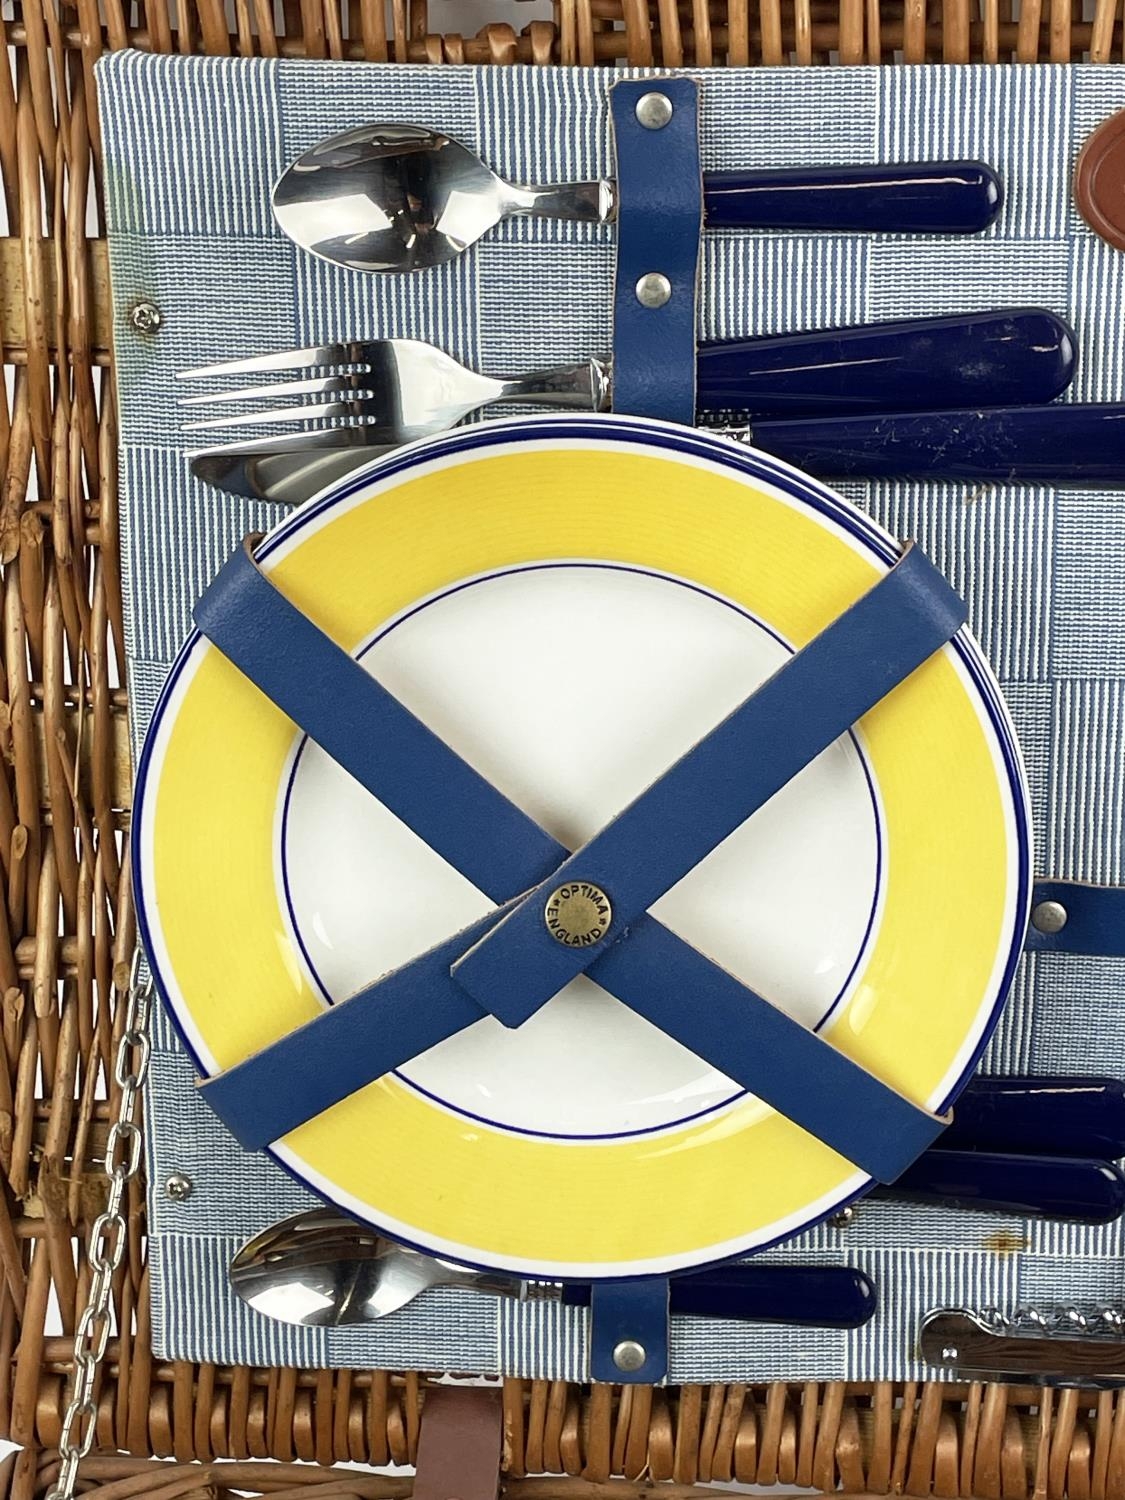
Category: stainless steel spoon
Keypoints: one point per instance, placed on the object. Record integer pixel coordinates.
(322, 1270)
(403, 198)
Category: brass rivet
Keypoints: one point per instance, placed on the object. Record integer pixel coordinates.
(578, 914)
(1049, 917)
(629, 1356)
(653, 289)
(654, 111)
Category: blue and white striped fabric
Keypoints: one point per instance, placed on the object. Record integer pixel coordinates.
(192, 146)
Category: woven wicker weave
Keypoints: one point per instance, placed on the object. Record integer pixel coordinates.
(64, 803)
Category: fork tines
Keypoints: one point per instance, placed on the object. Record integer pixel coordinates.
(317, 356)
(348, 384)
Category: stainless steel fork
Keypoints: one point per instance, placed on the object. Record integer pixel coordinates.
(394, 390)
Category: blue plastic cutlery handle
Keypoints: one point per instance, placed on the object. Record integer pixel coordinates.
(1060, 444)
(1047, 1187)
(937, 197)
(1012, 357)
(1049, 1115)
(816, 1296)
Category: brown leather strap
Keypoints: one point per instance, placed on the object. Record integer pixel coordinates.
(459, 1444)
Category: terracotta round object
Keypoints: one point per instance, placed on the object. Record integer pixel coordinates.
(1099, 181)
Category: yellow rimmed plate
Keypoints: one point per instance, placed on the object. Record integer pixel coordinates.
(572, 603)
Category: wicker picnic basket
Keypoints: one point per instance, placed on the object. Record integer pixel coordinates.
(68, 927)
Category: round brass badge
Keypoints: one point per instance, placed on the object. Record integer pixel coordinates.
(578, 914)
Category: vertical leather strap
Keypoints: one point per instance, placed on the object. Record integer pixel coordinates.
(659, 220)
(629, 1330)
(460, 1443)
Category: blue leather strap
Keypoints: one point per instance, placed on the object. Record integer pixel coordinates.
(651, 970)
(659, 223)
(1095, 918)
(350, 1045)
(370, 733)
(659, 219)
(806, 705)
(344, 1049)
(743, 1036)
(629, 1318)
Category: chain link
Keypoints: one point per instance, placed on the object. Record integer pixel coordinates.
(109, 1234)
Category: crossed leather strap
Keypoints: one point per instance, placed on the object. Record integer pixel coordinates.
(507, 964)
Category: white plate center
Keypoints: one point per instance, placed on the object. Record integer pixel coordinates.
(571, 687)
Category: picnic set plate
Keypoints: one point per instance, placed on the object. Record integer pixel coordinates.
(571, 604)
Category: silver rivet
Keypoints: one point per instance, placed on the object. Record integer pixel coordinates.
(178, 1187)
(629, 1356)
(654, 111)
(842, 1219)
(950, 1353)
(653, 289)
(1049, 916)
(146, 317)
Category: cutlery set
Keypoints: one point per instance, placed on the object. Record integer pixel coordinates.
(964, 397)
(322, 1270)
(356, 400)
(942, 398)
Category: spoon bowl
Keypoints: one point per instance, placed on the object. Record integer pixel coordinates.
(403, 198)
(322, 1270)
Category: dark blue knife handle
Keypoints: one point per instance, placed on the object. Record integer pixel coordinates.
(1061, 444)
(1016, 356)
(1050, 1115)
(813, 1296)
(938, 197)
(1044, 1187)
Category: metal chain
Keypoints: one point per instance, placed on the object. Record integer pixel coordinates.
(108, 1234)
